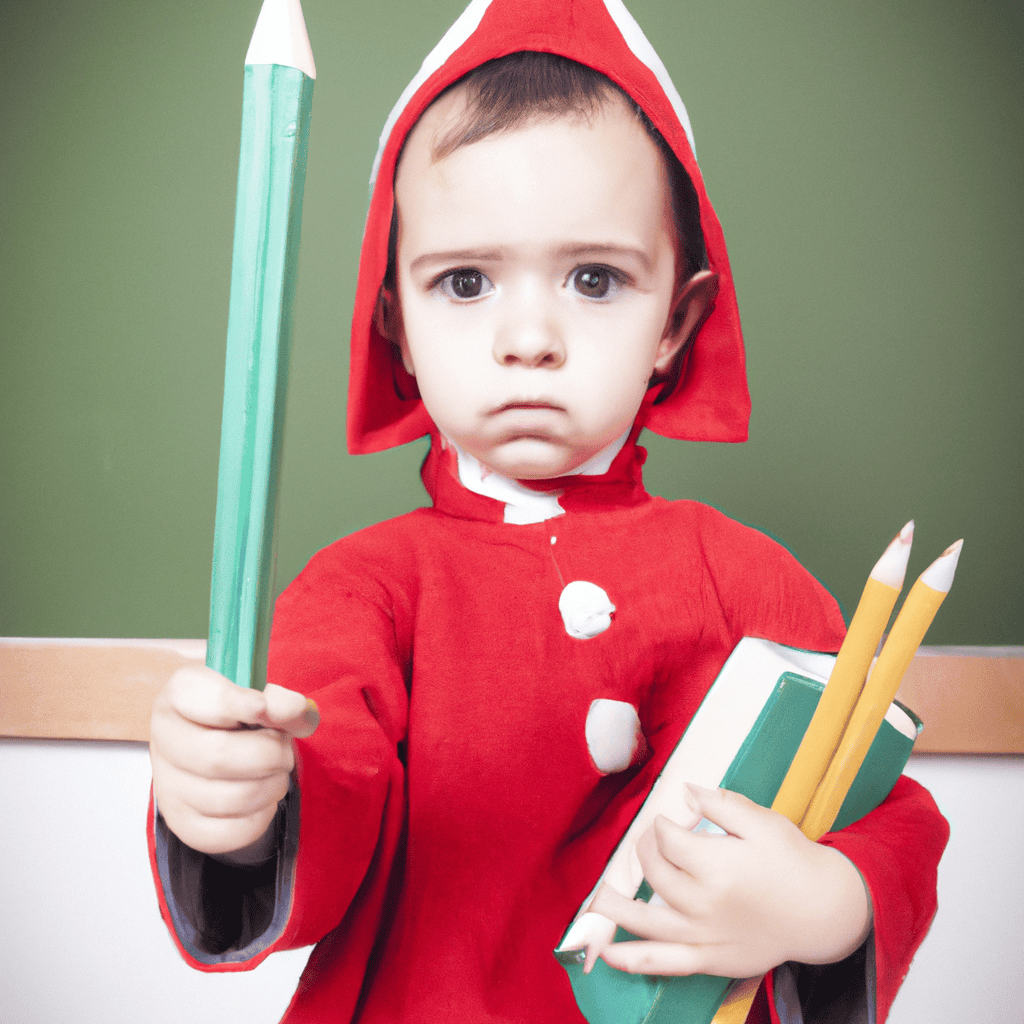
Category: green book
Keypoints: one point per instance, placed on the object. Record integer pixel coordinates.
(743, 738)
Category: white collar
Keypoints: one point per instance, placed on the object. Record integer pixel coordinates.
(522, 504)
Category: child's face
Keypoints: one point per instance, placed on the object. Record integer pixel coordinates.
(536, 283)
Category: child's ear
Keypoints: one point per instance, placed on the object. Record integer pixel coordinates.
(689, 310)
(383, 313)
(387, 319)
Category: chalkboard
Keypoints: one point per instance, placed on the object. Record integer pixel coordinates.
(865, 159)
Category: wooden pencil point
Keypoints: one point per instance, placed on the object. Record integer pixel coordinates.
(939, 575)
(280, 37)
(891, 568)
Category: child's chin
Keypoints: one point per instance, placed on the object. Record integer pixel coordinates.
(531, 458)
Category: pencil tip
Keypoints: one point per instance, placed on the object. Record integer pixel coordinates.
(280, 37)
(891, 568)
(939, 575)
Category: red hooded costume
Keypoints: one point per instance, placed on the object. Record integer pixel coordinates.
(448, 816)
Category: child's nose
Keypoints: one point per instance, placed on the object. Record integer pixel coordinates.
(530, 339)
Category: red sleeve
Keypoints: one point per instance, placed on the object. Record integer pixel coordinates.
(337, 636)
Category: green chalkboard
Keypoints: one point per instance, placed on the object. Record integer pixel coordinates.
(864, 156)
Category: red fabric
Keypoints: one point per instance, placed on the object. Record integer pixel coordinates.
(435, 639)
(711, 402)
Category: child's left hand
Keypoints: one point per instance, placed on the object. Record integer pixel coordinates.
(741, 904)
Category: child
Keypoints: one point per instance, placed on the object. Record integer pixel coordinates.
(502, 676)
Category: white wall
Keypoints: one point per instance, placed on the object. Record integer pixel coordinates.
(81, 939)
(971, 966)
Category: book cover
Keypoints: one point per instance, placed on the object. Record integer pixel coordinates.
(743, 738)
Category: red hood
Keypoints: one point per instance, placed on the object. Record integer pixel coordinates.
(710, 402)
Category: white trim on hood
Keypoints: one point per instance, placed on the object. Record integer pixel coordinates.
(466, 24)
(463, 27)
(646, 54)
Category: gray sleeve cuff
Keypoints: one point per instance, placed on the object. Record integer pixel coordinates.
(841, 993)
(224, 913)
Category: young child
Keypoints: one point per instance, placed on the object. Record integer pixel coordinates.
(501, 677)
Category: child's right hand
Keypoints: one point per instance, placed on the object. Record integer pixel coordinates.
(222, 755)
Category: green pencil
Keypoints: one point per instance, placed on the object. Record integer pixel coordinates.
(276, 103)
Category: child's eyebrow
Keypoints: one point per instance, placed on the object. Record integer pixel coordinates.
(455, 256)
(585, 249)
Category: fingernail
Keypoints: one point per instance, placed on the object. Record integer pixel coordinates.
(311, 714)
(709, 827)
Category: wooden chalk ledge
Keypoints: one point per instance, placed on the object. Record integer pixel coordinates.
(86, 689)
(970, 698)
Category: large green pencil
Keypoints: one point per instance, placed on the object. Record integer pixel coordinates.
(276, 104)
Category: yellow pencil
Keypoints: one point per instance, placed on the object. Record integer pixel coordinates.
(844, 685)
(907, 633)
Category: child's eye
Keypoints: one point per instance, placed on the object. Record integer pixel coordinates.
(595, 282)
(465, 284)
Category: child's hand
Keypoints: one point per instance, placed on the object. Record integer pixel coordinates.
(741, 904)
(217, 775)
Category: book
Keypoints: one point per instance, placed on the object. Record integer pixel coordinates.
(743, 738)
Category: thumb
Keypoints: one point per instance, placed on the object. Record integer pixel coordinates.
(738, 815)
(288, 711)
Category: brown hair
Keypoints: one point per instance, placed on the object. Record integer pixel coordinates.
(523, 88)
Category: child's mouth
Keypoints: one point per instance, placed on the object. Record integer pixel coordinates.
(519, 404)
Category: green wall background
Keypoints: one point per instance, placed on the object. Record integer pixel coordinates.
(864, 156)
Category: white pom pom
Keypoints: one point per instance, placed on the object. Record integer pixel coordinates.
(586, 610)
(613, 734)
